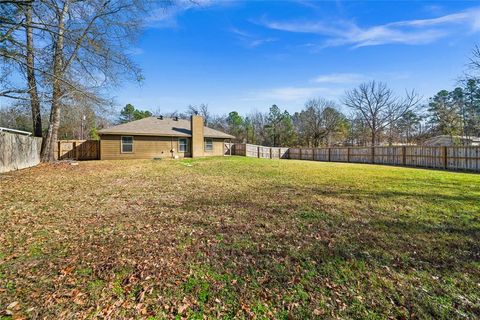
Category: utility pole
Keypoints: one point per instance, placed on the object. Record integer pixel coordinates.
(82, 129)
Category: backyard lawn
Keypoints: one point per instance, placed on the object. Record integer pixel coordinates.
(238, 238)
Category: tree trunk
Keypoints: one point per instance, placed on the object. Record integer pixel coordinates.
(374, 138)
(32, 83)
(48, 150)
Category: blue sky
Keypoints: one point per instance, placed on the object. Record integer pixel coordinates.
(244, 56)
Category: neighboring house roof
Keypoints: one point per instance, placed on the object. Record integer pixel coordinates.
(446, 140)
(153, 126)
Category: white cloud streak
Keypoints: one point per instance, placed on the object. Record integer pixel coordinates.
(340, 78)
(330, 86)
(165, 16)
(292, 94)
(250, 40)
(411, 32)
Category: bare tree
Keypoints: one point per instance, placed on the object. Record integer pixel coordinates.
(379, 106)
(17, 49)
(317, 123)
(30, 70)
(201, 109)
(90, 39)
(255, 122)
(219, 122)
(475, 60)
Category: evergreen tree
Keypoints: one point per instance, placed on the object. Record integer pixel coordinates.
(235, 125)
(129, 113)
(445, 114)
(280, 127)
(274, 119)
(408, 125)
(471, 99)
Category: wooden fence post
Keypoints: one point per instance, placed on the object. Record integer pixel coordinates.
(404, 155)
(313, 154)
(59, 152)
(445, 160)
(75, 151)
(258, 152)
(329, 154)
(373, 154)
(271, 153)
(348, 154)
(300, 153)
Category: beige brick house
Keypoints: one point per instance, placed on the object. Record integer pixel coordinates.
(160, 137)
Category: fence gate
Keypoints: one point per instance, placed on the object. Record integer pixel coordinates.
(227, 148)
(78, 150)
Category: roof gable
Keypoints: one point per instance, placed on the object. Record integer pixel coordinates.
(153, 126)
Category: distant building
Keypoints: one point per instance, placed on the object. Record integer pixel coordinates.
(447, 140)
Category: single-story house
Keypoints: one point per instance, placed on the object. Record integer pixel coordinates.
(161, 137)
(447, 140)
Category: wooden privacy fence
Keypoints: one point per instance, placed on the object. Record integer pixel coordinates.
(449, 158)
(251, 150)
(78, 150)
(18, 151)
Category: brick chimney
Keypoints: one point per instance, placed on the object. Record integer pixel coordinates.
(196, 123)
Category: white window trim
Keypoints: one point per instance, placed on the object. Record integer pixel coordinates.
(205, 145)
(186, 145)
(121, 144)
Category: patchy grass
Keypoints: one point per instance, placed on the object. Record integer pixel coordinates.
(239, 238)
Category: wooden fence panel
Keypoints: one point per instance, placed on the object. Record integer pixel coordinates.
(255, 151)
(427, 157)
(239, 149)
(264, 152)
(274, 153)
(321, 154)
(463, 158)
(252, 151)
(18, 151)
(78, 150)
(294, 153)
(360, 155)
(339, 154)
(388, 155)
(306, 154)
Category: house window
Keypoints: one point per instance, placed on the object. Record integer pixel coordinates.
(127, 144)
(208, 144)
(182, 145)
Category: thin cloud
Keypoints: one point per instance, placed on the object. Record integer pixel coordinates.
(340, 78)
(165, 16)
(412, 32)
(292, 94)
(330, 86)
(249, 40)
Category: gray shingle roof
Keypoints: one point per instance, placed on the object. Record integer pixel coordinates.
(153, 126)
